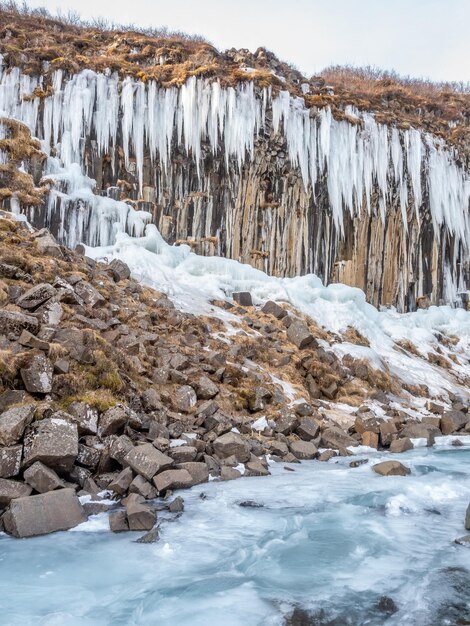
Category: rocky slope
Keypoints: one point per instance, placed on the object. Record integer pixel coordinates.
(363, 181)
(111, 396)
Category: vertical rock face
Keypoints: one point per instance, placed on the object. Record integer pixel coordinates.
(252, 175)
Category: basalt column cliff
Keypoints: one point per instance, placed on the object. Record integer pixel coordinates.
(234, 154)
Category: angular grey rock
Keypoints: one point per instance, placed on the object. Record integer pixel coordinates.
(205, 388)
(13, 422)
(85, 416)
(463, 541)
(176, 505)
(10, 489)
(218, 422)
(89, 294)
(54, 442)
(36, 296)
(15, 323)
(139, 515)
(42, 478)
(151, 537)
(29, 340)
(307, 429)
(183, 454)
(303, 450)
(299, 334)
(118, 521)
(304, 409)
(243, 298)
(37, 376)
(185, 399)
(453, 421)
(45, 513)
(255, 467)
(47, 243)
(467, 518)
(232, 444)
(122, 482)
(10, 397)
(113, 420)
(119, 270)
(273, 308)
(229, 473)
(286, 423)
(326, 455)
(120, 447)
(142, 487)
(10, 461)
(401, 445)
(199, 471)
(147, 460)
(87, 456)
(173, 479)
(336, 438)
(391, 468)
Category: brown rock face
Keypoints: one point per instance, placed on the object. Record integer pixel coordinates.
(11, 489)
(45, 513)
(13, 423)
(173, 479)
(41, 478)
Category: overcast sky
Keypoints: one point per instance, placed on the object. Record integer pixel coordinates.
(423, 38)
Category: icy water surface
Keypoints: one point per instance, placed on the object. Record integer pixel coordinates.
(329, 542)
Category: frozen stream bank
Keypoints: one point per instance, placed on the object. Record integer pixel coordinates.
(329, 539)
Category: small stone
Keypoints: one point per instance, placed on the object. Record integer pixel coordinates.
(357, 463)
(391, 468)
(42, 478)
(185, 399)
(151, 537)
(34, 297)
(119, 270)
(85, 416)
(327, 455)
(118, 521)
(142, 487)
(89, 294)
(463, 541)
(29, 340)
(205, 388)
(467, 518)
(37, 376)
(14, 323)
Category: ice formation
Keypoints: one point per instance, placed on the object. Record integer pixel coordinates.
(356, 158)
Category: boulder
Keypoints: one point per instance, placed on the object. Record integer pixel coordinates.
(185, 399)
(142, 487)
(199, 471)
(152, 536)
(54, 442)
(182, 454)
(13, 422)
(255, 467)
(273, 308)
(232, 444)
(118, 521)
(463, 541)
(326, 455)
(47, 244)
(147, 460)
(15, 323)
(36, 296)
(11, 489)
(176, 505)
(387, 431)
(28, 340)
(229, 473)
(420, 430)
(401, 445)
(173, 479)
(243, 298)
(286, 423)
(453, 421)
(88, 456)
(299, 334)
(119, 270)
(10, 461)
(391, 468)
(304, 409)
(139, 515)
(205, 388)
(307, 429)
(45, 513)
(122, 481)
(37, 376)
(370, 439)
(85, 416)
(334, 437)
(303, 450)
(113, 420)
(42, 478)
(119, 449)
(90, 296)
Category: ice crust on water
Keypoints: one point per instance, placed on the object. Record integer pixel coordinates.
(356, 158)
(328, 537)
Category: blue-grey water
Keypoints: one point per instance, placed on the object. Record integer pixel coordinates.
(333, 545)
